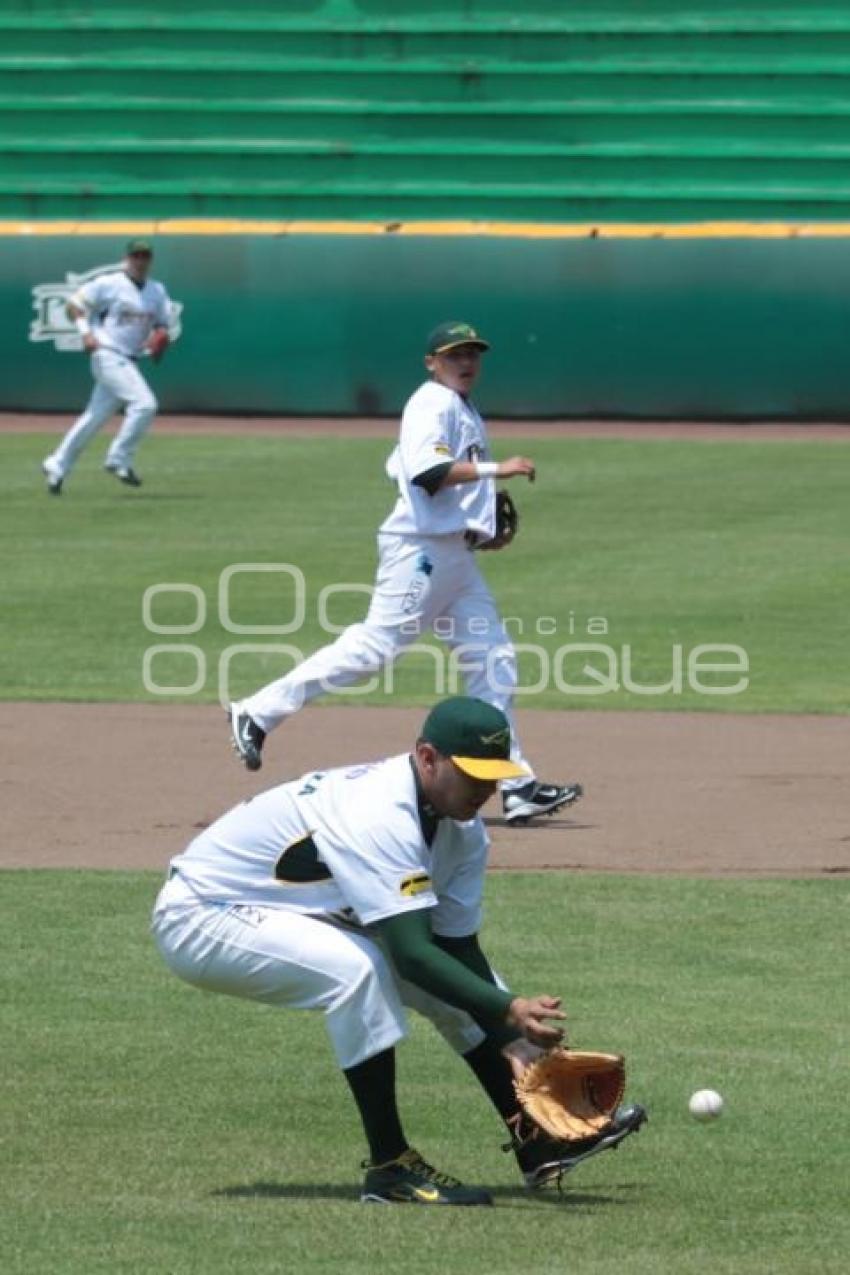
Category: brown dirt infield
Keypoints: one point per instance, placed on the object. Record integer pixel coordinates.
(127, 785)
(370, 427)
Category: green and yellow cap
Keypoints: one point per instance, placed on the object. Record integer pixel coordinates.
(475, 735)
(452, 333)
(139, 247)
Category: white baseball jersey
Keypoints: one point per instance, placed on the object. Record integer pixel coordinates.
(352, 844)
(123, 313)
(439, 425)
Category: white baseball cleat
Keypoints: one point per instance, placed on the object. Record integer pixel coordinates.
(53, 476)
(247, 737)
(533, 799)
(124, 474)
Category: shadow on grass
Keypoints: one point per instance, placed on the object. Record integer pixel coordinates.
(539, 823)
(506, 1196)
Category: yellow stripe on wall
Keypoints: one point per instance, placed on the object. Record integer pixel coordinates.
(487, 229)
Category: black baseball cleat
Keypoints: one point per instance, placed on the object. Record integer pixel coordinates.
(410, 1180)
(247, 738)
(124, 474)
(543, 1160)
(54, 480)
(533, 799)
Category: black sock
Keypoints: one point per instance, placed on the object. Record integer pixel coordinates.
(497, 1080)
(495, 1077)
(373, 1085)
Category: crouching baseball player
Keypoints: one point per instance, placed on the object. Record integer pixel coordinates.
(120, 316)
(358, 892)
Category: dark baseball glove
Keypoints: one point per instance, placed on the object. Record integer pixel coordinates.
(157, 343)
(507, 516)
(571, 1095)
(507, 522)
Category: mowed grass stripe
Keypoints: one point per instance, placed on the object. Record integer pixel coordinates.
(670, 544)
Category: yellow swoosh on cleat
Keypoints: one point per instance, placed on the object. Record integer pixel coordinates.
(428, 1194)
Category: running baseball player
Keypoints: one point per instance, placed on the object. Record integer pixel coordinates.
(120, 316)
(358, 892)
(427, 572)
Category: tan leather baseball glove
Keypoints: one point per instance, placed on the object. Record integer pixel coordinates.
(571, 1094)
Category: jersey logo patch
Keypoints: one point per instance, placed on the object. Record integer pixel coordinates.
(442, 450)
(411, 886)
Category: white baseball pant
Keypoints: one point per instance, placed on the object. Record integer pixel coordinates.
(285, 958)
(117, 381)
(423, 584)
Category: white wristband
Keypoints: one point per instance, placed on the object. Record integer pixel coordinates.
(82, 325)
(487, 468)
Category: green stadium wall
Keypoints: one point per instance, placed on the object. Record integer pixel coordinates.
(592, 326)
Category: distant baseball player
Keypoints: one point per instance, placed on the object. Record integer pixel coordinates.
(356, 892)
(120, 316)
(427, 573)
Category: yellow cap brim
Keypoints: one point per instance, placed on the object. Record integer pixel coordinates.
(489, 767)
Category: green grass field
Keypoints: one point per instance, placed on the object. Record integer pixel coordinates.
(149, 1127)
(670, 543)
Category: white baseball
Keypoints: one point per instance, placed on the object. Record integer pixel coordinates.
(705, 1104)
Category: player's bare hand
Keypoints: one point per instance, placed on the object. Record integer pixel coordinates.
(90, 342)
(517, 467)
(530, 1015)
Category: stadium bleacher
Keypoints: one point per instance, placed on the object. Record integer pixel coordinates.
(378, 110)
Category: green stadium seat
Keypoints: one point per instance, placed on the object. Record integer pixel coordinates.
(356, 109)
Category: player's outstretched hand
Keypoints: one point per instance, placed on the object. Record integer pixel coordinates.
(90, 343)
(517, 467)
(529, 1017)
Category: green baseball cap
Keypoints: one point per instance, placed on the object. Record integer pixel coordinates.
(139, 246)
(452, 333)
(475, 735)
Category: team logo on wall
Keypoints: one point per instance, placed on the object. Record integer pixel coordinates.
(52, 323)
